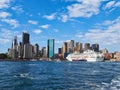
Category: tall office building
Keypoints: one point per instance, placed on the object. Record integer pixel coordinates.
(44, 52)
(36, 49)
(70, 46)
(79, 47)
(95, 47)
(86, 46)
(14, 52)
(64, 48)
(51, 46)
(27, 51)
(25, 38)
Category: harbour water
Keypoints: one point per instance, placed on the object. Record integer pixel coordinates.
(44, 75)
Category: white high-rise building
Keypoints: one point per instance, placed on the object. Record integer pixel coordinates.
(27, 51)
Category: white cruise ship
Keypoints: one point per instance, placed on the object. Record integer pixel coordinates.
(88, 55)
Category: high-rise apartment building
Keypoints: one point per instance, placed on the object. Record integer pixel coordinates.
(51, 46)
(79, 47)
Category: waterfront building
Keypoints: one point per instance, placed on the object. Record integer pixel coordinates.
(36, 50)
(117, 56)
(95, 47)
(44, 52)
(27, 51)
(64, 48)
(104, 51)
(14, 52)
(70, 46)
(25, 40)
(51, 46)
(86, 46)
(59, 50)
(79, 47)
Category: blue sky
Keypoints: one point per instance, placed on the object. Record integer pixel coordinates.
(92, 21)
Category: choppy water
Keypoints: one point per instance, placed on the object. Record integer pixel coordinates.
(44, 75)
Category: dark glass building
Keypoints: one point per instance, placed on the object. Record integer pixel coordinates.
(95, 47)
(25, 38)
(51, 46)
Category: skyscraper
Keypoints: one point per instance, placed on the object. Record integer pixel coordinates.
(64, 48)
(87, 46)
(44, 52)
(70, 45)
(51, 46)
(95, 47)
(27, 51)
(36, 50)
(14, 52)
(79, 47)
(25, 38)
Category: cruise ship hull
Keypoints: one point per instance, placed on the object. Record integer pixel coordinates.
(89, 56)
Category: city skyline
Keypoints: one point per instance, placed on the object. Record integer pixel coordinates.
(86, 21)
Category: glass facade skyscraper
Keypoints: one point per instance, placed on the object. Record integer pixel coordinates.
(51, 46)
(25, 38)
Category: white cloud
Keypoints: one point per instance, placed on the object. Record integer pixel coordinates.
(109, 4)
(37, 31)
(32, 22)
(4, 3)
(4, 41)
(46, 26)
(50, 17)
(59, 42)
(112, 5)
(11, 22)
(64, 18)
(84, 8)
(18, 9)
(4, 14)
(117, 4)
(105, 37)
(6, 35)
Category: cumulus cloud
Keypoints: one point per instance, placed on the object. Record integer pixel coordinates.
(11, 22)
(84, 8)
(64, 18)
(4, 14)
(108, 36)
(112, 5)
(46, 26)
(7, 35)
(4, 3)
(50, 17)
(37, 31)
(32, 22)
(18, 9)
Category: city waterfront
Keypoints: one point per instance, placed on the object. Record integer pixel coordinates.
(52, 75)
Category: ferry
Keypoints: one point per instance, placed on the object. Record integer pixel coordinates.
(88, 55)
